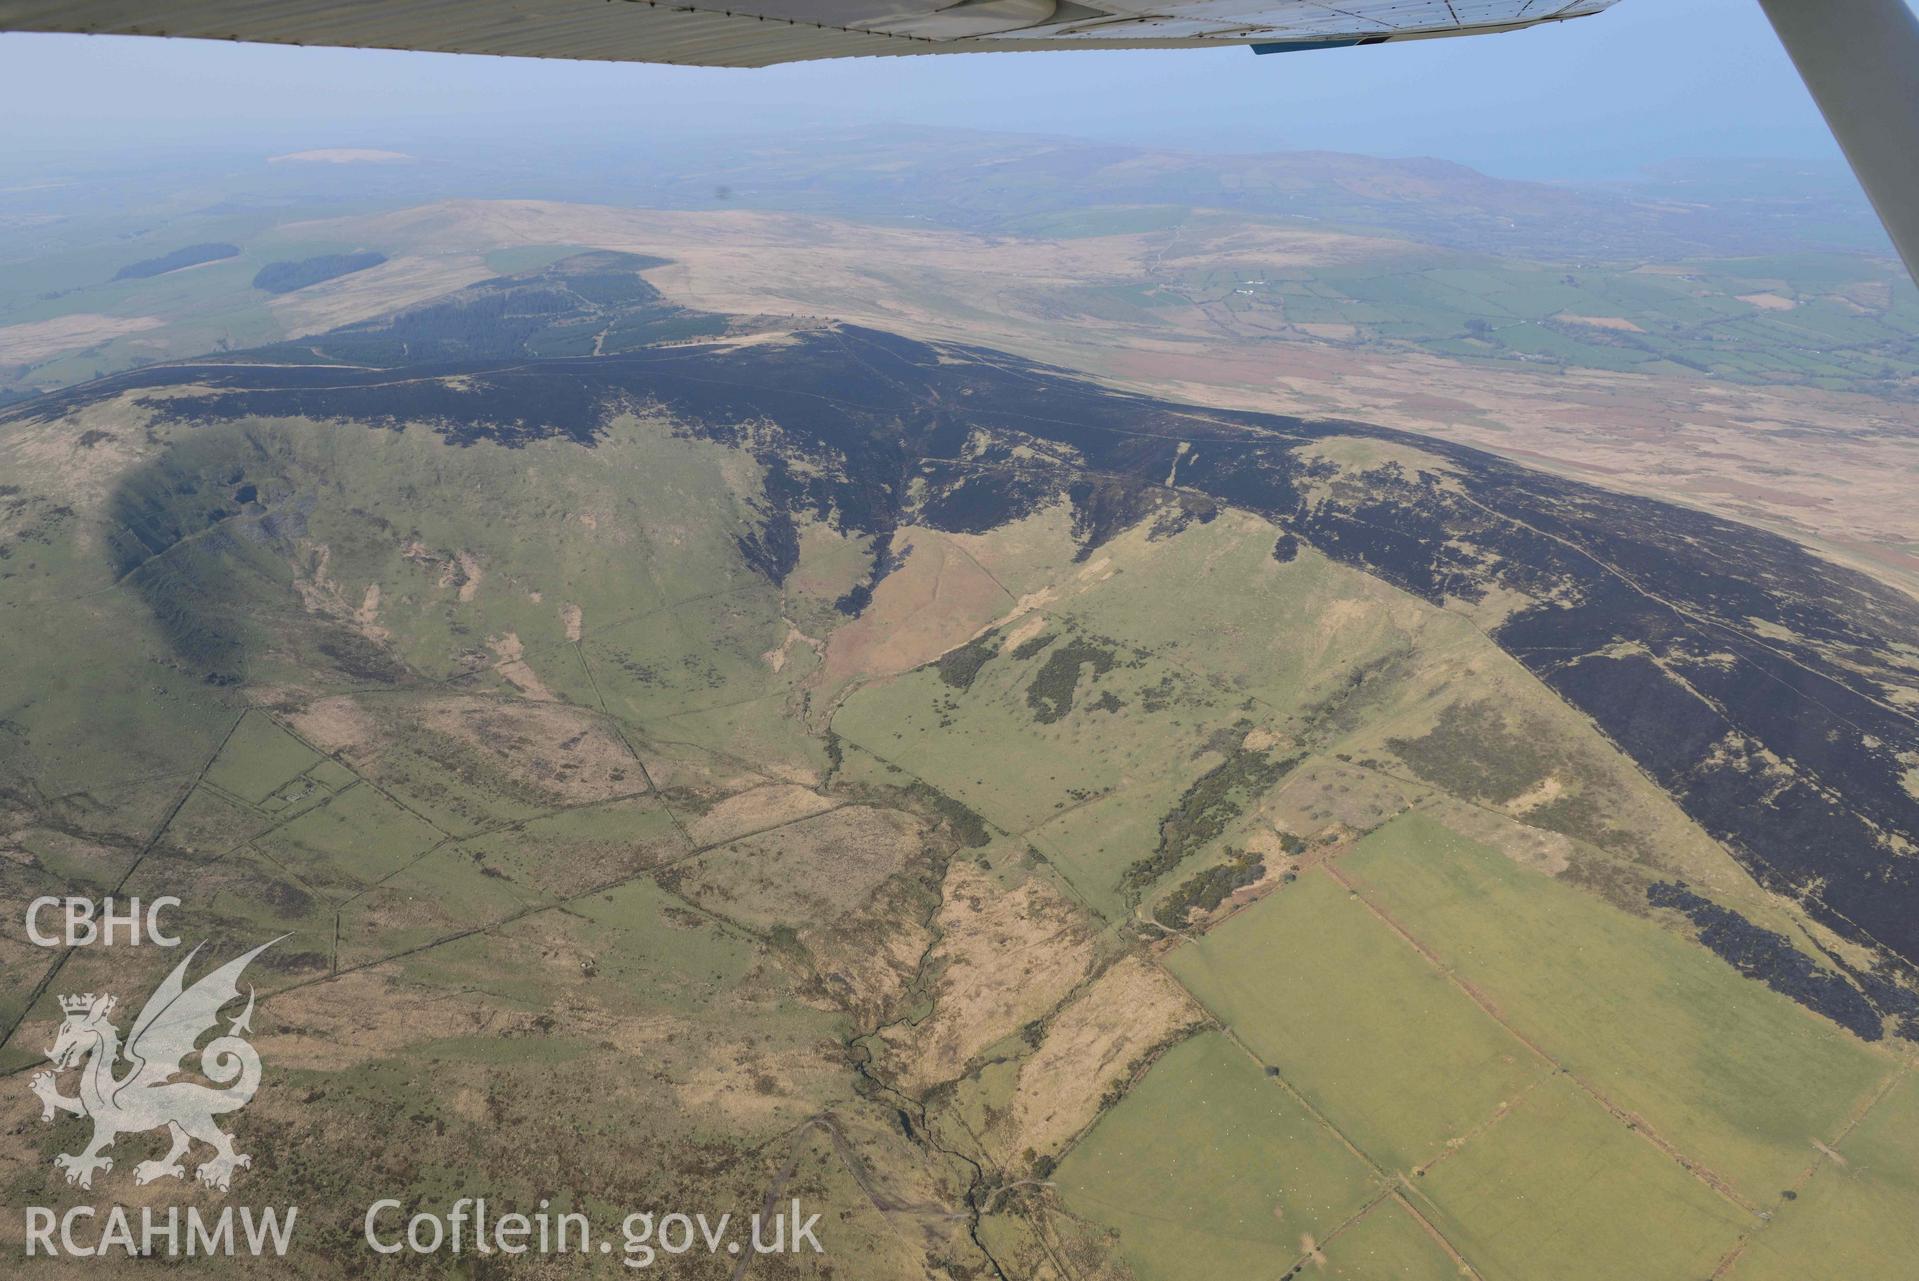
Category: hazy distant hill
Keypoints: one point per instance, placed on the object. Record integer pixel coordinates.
(989, 181)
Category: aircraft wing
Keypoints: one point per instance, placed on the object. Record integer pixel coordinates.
(1860, 58)
(755, 33)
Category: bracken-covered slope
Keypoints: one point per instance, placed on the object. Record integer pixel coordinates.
(1773, 694)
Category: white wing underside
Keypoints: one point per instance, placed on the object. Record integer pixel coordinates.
(753, 33)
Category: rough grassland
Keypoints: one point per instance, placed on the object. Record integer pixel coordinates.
(1212, 633)
(812, 871)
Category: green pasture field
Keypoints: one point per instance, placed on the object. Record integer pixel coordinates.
(1388, 1244)
(1209, 1168)
(1397, 1058)
(357, 838)
(1559, 1188)
(260, 760)
(1855, 1216)
(1733, 1074)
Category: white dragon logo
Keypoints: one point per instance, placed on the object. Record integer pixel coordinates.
(146, 1097)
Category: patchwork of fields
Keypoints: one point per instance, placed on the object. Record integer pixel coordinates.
(1816, 319)
(679, 779)
(1497, 1101)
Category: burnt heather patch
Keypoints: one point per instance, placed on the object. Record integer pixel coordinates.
(1759, 685)
(1770, 957)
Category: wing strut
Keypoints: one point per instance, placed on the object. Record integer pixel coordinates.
(1860, 59)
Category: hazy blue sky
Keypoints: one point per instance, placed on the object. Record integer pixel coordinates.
(1649, 81)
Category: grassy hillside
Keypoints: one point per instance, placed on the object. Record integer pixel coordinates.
(1055, 833)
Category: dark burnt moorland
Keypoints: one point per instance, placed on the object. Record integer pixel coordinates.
(1771, 693)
